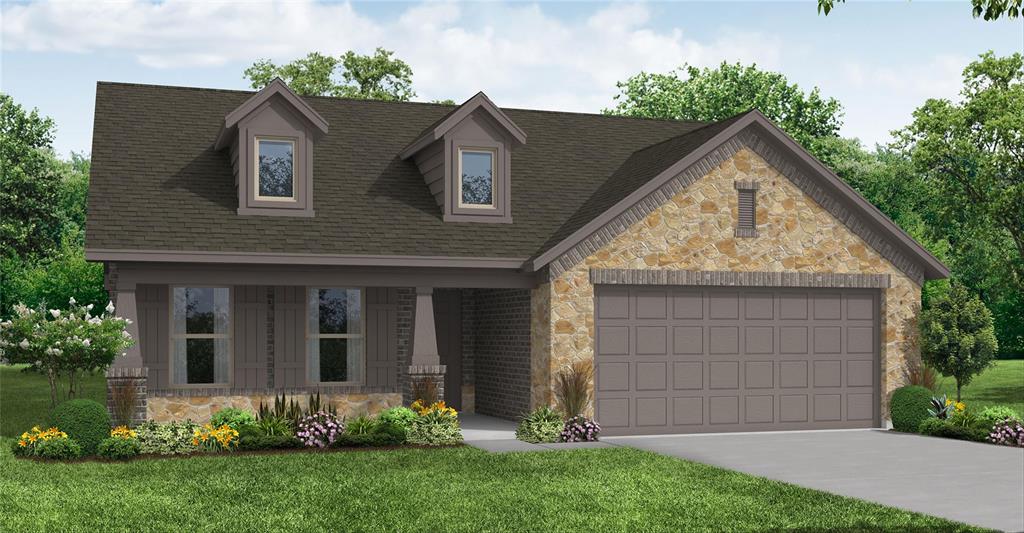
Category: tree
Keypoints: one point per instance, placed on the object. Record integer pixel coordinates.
(957, 336)
(730, 89)
(987, 9)
(30, 182)
(52, 280)
(373, 77)
(972, 154)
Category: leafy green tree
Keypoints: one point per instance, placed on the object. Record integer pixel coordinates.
(987, 9)
(373, 77)
(972, 153)
(715, 94)
(957, 336)
(30, 182)
(53, 280)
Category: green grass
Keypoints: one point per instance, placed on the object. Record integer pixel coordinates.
(25, 397)
(453, 489)
(1001, 384)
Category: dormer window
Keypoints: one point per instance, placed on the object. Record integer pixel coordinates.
(275, 169)
(476, 177)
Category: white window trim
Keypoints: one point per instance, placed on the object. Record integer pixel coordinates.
(494, 177)
(175, 336)
(256, 169)
(310, 291)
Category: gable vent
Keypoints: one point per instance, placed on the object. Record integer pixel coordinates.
(746, 222)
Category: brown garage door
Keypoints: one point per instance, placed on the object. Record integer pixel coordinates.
(703, 359)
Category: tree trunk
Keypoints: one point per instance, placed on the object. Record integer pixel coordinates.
(958, 390)
(53, 388)
(71, 384)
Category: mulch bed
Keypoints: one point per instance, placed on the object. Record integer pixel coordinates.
(236, 453)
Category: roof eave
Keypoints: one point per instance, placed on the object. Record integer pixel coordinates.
(456, 116)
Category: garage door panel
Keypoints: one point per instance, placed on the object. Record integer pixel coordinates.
(652, 376)
(651, 340)
(724, 340)
(712, 359)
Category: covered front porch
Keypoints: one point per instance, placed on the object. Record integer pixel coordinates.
(214, 336)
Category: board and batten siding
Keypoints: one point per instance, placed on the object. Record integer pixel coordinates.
(289, 337)
(249, 339)
(381, 337)
(152, 304)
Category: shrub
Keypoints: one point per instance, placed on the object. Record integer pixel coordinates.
(117, 448)
(86, 421)
(319, 429)
(541, 425)
(908, 407)
(274, 426)
(399, 416)
(59, 449)
(215, 439)
(580, 429)
(172, 438)
(27, 443)
(936, 427)
(268, 442)
(230, 416)
(1008, 432)
(361, 425)
(922, 375)
(958, 336)
(385, 434)
(997, 413)
(437, 427)
(572, 388)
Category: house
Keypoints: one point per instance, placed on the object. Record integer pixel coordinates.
(719, 277)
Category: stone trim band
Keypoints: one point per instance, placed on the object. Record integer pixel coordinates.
(616, 276)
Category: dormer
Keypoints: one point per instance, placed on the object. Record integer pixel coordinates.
(271, 138)
(466, 161)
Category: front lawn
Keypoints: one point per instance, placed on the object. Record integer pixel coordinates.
(25, 397)
(1001, 384)
(449, 489)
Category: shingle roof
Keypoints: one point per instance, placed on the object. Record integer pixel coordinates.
(158, 184)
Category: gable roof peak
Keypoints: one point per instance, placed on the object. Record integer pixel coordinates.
(478, 101)
(276, 87)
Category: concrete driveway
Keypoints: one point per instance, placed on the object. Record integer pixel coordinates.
(976, 483)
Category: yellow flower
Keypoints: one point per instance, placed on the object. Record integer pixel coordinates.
(960, 406)
(948, 402)
(22, 443)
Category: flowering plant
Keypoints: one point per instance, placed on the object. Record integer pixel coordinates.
(123, 432)
(319, 429)
(29, 439)
(438, 406)
(59, 342)
(580, 429)
(1009, 432)
(215, 438)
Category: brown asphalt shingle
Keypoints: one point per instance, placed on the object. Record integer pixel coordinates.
(158, 184)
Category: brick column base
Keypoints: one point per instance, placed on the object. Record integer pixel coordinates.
(127, 377)
(434, 373)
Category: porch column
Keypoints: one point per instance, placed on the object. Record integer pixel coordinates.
(126, 378)
(425, 362)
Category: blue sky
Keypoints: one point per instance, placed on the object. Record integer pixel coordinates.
(880, 59)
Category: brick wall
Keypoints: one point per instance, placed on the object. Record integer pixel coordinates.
(501, 353)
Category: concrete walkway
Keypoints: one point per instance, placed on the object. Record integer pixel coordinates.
(970, 482)
(499, 436)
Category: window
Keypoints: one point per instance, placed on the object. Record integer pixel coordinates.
(200, 335)
(476, 177)
(275, 169)
(335, 335)
(746, 211)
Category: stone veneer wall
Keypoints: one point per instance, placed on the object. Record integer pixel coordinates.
(165, 408)
(694, 230)
(502, 352)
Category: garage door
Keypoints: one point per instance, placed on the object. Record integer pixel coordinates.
(703, 359)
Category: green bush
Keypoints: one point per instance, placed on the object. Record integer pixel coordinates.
(60, 449)
(935, 427)
(268, 442)
(435, 429)
(85, 421)
(399, 416)
(996, 414)
(117, 448)
(541, 425)
(361, 425)
(172, 438)
(908, 407)
(235, 418)
(385, 434)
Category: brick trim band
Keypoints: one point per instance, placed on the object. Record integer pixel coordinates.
(223, 391)
(610, 276)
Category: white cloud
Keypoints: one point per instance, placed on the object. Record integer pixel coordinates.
(517, 53)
